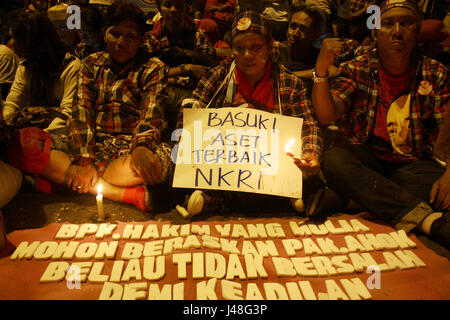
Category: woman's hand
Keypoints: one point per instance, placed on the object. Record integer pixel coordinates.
(81, 178)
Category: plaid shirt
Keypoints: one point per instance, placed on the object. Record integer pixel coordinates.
(130, 102)
(293, 94)
(356, 5)
(355, 93)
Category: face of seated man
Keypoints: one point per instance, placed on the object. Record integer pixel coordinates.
(123, 41)
(173, 12)
(252, 53)
(398, 32)
(300, 30)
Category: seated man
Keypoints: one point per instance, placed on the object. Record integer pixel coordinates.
(116, 118)
(390, 102)
(252, 77)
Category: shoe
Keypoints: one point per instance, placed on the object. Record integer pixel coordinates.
(298, 205)
(201, 202)
(440, 230)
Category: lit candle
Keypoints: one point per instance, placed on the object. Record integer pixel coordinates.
(288, 146)
(101, 212)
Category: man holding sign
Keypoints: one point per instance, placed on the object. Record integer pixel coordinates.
(252, 79)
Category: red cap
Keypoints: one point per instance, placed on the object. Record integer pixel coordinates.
(24, 152)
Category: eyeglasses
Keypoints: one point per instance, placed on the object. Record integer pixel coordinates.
(254, 49)
(129, 37)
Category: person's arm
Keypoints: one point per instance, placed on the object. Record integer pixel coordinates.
(82, 174)
(147, 134)
(361, 11)
(307, 74)
(69, 79)
(440, 192)
(311, 137)
(197, 71)
(81, 123)
(322, 99)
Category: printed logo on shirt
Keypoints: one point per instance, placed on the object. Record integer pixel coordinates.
(398, 125)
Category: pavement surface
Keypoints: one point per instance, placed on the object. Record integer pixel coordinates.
(31, 209)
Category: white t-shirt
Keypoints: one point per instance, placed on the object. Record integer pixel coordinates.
(64, 91)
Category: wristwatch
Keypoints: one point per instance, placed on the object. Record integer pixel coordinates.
(318, 79)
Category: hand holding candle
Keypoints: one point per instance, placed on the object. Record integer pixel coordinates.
(308, 164)
(99, 198)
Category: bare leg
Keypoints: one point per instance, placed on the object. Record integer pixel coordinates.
(57, 166)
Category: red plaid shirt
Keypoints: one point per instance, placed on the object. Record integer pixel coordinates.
(130, 102)
(356, 5)
(355, 93)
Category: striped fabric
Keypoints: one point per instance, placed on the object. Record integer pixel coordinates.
(130, 102)
(355, 93)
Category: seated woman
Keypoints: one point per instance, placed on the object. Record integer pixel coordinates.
(116, 118)
(45, 81)
(253, 77)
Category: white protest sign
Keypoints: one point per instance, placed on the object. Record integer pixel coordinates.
(239, 149)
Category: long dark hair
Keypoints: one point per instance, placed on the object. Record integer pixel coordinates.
(37, 40)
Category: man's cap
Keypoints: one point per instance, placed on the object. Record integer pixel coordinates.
(407, 4)
(250, 21)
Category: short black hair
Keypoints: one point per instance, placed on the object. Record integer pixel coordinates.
(121, 11)
(314, 13)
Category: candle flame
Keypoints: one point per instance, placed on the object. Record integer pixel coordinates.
(99, 188)
(289, 145)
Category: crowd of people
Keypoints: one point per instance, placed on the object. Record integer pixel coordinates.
(98, 104)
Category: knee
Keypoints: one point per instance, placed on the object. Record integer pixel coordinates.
(29, 149)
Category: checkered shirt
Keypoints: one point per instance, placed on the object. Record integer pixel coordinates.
(130, 102)
(355, 93)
